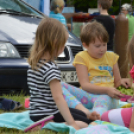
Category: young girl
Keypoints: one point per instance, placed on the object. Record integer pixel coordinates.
(97, 71)
(124, 116)
(46, 96)
(56, 12)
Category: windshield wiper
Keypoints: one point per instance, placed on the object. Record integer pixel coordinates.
(17, 12)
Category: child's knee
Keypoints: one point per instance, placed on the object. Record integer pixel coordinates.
(105, 98)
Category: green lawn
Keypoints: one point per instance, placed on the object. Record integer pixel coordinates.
(21, 99)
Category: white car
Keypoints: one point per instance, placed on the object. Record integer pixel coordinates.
(18, 24)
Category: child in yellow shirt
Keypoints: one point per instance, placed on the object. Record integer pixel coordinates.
(97, 71)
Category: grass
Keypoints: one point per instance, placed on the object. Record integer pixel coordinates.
(21, 99)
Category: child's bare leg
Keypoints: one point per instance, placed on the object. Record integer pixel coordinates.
(93, 123)
(80, 124)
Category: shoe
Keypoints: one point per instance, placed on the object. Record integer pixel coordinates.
(9, 105)
(40, 122)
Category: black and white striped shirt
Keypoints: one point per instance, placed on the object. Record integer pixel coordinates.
(41, 100)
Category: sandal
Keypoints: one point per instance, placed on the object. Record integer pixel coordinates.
(7, 104)
(40, 122)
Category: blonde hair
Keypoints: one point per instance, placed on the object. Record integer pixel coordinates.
(57, 5)
(93, 30)
(51, 36)
(130, 55)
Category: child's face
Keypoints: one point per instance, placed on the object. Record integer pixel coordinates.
(96, 49)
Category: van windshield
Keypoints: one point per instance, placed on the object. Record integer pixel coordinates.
(17, 6)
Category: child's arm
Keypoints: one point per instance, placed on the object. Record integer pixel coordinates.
(131, 126)
(117, 77)
(56, 90)
(82, 74)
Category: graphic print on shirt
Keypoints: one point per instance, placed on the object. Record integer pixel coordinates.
(105, 70)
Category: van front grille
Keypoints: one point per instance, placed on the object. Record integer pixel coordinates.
(24, 52)
(75, 50)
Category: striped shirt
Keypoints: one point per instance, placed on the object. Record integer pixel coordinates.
(41, 100)
(59, 17)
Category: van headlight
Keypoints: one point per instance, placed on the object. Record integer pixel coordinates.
(8, 50)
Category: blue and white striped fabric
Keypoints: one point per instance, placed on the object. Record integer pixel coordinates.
(59, 17)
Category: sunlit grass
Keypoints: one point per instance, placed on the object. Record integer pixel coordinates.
(21, 99)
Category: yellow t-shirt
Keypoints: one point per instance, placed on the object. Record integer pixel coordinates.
(100, 71)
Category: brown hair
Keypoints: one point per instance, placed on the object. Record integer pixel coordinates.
(93, 30)
(57, 5)
(51, 36)
(130, 55)
(105, 4)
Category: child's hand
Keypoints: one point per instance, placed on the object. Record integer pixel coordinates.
(126, 82)
(114, 93)
(94, 116)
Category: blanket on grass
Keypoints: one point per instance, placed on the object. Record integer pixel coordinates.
(22, 120)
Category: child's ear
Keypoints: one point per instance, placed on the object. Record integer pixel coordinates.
(84, 45)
